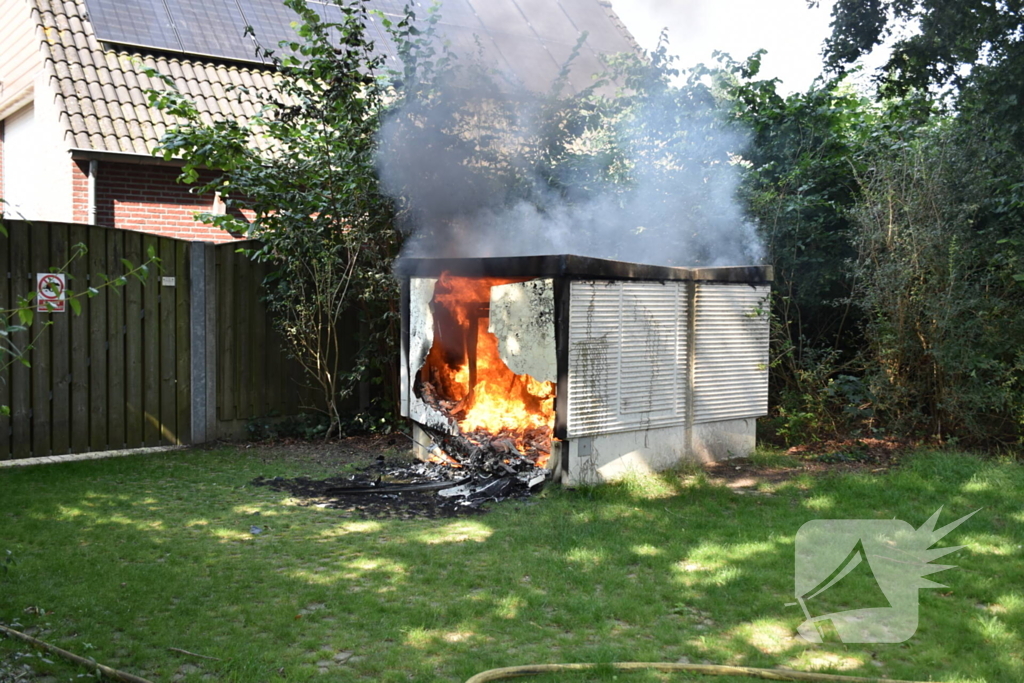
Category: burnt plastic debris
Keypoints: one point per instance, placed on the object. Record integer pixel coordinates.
(418, 489)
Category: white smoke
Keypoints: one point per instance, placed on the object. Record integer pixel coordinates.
(483, 169)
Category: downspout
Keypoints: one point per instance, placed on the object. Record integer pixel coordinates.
(94, 167)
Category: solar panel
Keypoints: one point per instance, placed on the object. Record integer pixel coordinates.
(531, 63)
(502, 16)
(271, 22)
(211, 27)
(549, 22)
(460, 13)
(382, 41)
(396, 8)
(604, 36)
(583, 69)
(529, 37)
(468, 45)
(134, 22)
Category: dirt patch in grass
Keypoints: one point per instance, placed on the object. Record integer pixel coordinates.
(872, 456)
(851, 454)
(351, 450)
(741, 473)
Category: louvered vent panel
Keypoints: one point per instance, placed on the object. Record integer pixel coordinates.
(627, 356)
(730, 375)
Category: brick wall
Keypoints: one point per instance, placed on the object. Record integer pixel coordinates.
(138, 197)
(80, 191)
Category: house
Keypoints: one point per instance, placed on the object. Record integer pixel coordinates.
(76, 132)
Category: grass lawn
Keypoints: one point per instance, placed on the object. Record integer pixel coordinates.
(122, 559)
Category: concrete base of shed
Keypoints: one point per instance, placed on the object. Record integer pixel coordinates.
(714, 441)
(611, 457)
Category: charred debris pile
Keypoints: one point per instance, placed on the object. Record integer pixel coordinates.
(457, 483)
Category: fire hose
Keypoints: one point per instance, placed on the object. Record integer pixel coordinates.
(527, 670)
(665, 667)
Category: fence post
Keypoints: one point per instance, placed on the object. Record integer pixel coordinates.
(197, 296)
(203, 300)
(212, 431)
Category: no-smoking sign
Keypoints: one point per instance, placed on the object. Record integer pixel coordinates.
(50, 289)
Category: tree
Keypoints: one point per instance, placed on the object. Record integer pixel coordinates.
(973, 47)
(299, 177)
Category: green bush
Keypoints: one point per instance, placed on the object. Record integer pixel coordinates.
(936, 281)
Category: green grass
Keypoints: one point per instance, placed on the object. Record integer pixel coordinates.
(128, 557)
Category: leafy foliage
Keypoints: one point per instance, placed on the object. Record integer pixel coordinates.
(972, 50)
(939, 219)
(947, 39)
(895, 228)
(803, 158)
(944, 307)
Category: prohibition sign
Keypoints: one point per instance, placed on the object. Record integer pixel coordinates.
(50, 293)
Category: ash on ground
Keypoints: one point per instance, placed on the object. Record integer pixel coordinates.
(419, 489)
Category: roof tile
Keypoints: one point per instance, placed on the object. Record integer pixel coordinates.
(100, 89)
(242, 76)
(120, 131)
(110, 95)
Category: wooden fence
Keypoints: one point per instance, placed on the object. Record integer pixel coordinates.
(187, 357)
(245, 362)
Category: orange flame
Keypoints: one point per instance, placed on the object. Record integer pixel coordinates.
(465, 367)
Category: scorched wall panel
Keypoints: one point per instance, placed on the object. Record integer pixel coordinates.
(628, 366)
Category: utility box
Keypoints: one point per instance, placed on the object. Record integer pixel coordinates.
(611, 367)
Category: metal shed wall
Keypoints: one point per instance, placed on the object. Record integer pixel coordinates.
(628, 360)
(730, 373)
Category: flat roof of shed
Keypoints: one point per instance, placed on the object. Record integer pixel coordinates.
(575, 267)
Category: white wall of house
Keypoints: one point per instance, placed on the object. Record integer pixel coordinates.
(20, 56)
(37, 166)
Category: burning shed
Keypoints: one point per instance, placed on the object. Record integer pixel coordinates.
(588, 367)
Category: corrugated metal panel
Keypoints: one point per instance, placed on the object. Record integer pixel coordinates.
(730, 374)
(627, 356)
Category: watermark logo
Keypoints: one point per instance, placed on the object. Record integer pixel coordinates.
(857, 580)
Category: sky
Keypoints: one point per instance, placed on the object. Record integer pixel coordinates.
(790, 31)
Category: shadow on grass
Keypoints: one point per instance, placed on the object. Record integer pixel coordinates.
(133, 556)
